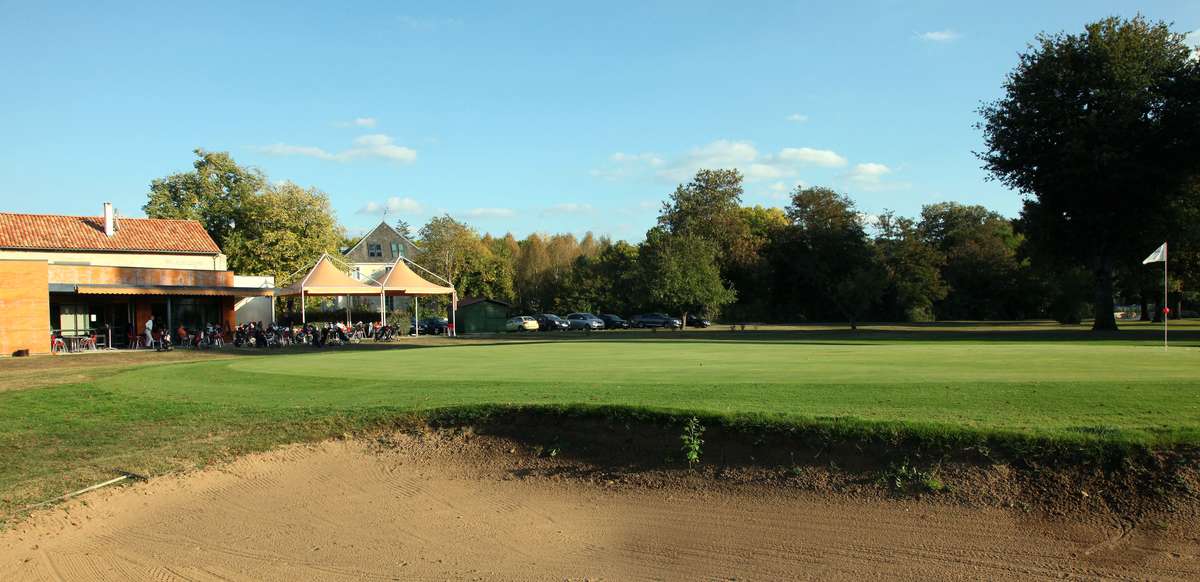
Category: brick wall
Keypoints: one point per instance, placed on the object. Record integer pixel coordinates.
(93, 275)
(24, 307)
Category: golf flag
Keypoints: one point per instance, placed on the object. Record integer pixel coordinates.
(1158, 256)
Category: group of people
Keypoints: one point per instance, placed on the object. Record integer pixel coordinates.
(260, 335)
(162, 339)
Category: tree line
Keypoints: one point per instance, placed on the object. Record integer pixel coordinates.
(1096, 131)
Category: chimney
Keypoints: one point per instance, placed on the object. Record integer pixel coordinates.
(109, 220)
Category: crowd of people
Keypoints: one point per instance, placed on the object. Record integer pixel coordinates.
(260, 335)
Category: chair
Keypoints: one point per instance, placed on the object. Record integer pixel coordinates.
(57, 344)
(88, 343)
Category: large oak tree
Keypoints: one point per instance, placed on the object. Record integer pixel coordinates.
(1099, 131)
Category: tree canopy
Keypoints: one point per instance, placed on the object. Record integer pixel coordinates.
(1099, 130)
(263, 229)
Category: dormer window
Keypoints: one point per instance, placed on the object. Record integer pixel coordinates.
(374, 250)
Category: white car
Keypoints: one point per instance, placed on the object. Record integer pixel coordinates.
(521, 323)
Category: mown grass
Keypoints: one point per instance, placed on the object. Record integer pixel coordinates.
(951, 387)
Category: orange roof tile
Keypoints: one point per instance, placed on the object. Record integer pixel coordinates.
(54, 232)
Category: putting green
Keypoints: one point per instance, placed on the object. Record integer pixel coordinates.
(1035, 387)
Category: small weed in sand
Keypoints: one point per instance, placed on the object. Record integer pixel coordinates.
(906, 477)
(692, 441)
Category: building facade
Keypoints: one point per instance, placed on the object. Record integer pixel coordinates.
(375, 252)
(370, 260)
(105, 276)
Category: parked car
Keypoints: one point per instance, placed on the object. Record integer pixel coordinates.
(613, 321)
(584, 321)
(698, 321)
(521, 323)
(653, 320)
(551, 322)
(431, 326)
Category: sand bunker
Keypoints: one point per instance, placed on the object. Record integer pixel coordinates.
(351, 511)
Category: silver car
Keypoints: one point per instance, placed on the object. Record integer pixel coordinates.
(584, 321)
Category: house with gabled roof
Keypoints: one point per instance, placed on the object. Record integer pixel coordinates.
(105, 275)
(374, 253)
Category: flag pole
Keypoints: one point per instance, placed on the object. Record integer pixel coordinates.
(1166, 310)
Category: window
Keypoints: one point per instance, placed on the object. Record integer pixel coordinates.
(374, 250)
(395, 249)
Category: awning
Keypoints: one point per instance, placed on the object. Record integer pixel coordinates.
(401, 280)
(326, 279)
(173, 290)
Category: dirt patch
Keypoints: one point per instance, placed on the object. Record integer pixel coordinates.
(456, 505)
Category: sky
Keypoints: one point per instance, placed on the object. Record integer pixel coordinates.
(517, 117)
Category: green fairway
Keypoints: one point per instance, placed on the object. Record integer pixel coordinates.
(1046, 388)
(982, 381)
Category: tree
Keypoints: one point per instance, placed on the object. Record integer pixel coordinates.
(980, 265)
(281, 231)
(453, 250)
(679, 272)
(913, 268)
(403, 228)
(709, 207)
(213, 194)
(263, 229)
(827, 258)
(1099, 132)
(756, 277)
(531, 267)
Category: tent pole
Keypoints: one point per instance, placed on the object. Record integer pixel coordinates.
(454, 313)
(416, 318)
(382, 311)
(303, 315)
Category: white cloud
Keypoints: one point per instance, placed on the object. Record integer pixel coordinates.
(489, 213)
(718, 154)
(797, 118)
(393, 205)
(871, 177)
(781, 191)
(359, 122)
(947, 35)
(569, 208)
(722, 153)
(374, 145)
(648, 158)
(626, 165)
(824, 158)
(1192, 39)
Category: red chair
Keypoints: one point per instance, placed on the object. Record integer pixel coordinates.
(88, 343)
(57, 344)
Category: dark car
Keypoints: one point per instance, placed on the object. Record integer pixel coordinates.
(652, 320)
(431, 326)
(613, 321)
(584, 321)
(551, 322)
(698, 321)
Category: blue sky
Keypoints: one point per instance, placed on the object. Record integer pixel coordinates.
(516, 117)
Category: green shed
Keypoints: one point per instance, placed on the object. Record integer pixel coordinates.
(481, 315)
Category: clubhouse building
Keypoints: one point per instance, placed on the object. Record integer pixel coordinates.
(80, 276)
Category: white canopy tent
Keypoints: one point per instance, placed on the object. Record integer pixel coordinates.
(325, 279)
(401, 280)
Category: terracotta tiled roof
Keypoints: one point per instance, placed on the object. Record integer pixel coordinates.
(86, 233)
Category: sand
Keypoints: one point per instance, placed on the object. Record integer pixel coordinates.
(353, 510)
